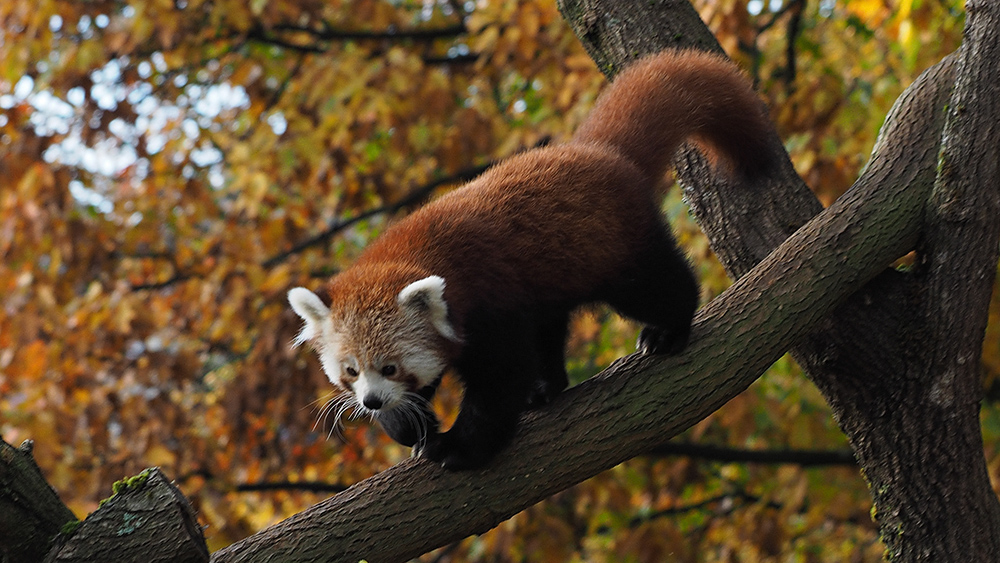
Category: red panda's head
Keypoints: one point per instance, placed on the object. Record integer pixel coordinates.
(380, 345)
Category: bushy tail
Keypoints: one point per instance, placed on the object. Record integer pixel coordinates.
(660, 101)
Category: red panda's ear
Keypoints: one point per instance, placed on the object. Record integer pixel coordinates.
(312, 310)
(426, 297)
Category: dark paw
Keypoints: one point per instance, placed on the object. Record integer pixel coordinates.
(656, 340)
(409, 424)
(543, 391)
(454, 454)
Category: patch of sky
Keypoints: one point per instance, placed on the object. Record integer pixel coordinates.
(756, 7)
(277, 122)
(459, 50)
(826, 7)
(89, 197)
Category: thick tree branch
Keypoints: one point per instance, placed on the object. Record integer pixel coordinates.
(962, 225)
(146, 519)
(415, 196)
(936, 502)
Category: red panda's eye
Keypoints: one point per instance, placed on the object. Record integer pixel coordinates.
(351, 371)
(388, 370)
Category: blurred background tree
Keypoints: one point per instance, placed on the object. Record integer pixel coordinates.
(168, 169)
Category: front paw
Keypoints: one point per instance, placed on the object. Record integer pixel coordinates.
(543, 391)
(453, 453)
(409, 427)
(656, 340)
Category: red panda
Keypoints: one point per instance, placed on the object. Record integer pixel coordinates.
(483, 279)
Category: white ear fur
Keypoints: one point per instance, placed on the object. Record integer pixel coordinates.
(312, 310)
(428, 295)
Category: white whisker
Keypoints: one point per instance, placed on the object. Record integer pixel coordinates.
(337, 405)
(414, 405)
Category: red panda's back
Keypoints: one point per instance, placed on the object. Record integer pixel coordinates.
(550, 224)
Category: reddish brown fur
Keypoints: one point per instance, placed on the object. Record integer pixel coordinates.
(655, 104)
(558, 222)
(550, 224)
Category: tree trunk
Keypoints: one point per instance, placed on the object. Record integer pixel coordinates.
(147, 520)
(31, 514)
(915, 422)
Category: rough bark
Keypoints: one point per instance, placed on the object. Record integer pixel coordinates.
(147, 520)
(31, 514)
(917, 427)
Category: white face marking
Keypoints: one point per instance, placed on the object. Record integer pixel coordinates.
(376, 392)
(356, 361)
(425, 365)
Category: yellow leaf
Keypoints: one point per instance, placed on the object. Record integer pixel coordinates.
(159, 455)
(277, 279)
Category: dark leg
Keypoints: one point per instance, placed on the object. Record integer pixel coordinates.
(662, 292)
(551, 339)
(497, 366)
(410, 424)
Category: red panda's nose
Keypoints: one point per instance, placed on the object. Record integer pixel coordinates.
(372, 402)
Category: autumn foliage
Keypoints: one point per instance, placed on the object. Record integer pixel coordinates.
(168, 170)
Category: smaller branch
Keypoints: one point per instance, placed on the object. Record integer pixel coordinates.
(328, 33)
(775, 16)
(794, 28)
(140, 254)
(309, 486)
(278, 42)
(413, 198)
(176, 278)
(455, 60)
(261, 34)
(730, 502)
(275, 97)
(416, 196)
(804, 458)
